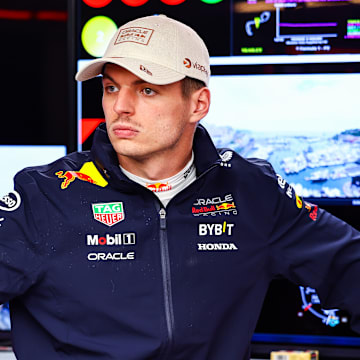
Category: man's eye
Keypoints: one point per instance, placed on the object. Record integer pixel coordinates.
(148, 91)
(110, 88)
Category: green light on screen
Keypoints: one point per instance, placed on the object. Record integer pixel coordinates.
(96, 35)
(211, 1)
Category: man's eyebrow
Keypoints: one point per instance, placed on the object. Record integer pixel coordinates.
(139, 82)
(107, 76)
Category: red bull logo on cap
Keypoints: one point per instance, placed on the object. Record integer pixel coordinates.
(88, 173)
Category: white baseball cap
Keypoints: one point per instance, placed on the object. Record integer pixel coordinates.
(157, 49)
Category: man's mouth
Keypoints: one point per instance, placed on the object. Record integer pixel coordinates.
(124, 131)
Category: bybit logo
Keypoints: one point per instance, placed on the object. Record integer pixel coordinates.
(216, 229)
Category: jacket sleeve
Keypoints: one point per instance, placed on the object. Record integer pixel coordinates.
(312, 248)
(19, 243)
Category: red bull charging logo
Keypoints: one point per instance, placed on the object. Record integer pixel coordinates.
(88, 173)
(226, 206)
(70, 176)
(214, 206)
(159, 187)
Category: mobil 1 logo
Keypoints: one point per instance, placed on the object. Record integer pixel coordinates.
(109, 213)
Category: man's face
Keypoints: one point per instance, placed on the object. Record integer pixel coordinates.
(144, 120)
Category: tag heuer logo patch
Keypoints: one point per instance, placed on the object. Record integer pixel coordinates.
(109, 213)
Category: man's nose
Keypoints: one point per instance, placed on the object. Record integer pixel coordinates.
(125, 102)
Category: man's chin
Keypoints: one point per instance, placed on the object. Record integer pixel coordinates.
(129, 152)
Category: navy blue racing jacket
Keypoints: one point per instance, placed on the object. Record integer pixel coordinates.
(96, 268)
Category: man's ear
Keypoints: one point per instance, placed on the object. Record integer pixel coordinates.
(200, 104)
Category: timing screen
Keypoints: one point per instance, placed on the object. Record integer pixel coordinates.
(235, 28)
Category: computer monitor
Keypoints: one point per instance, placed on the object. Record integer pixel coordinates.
(284, 88)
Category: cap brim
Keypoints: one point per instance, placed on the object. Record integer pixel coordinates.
(145, 70)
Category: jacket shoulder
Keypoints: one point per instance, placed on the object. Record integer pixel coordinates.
(68, 162)
(250, 166)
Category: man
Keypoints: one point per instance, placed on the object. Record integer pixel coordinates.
(155, 245)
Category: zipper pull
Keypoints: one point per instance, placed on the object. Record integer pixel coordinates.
(162, 214)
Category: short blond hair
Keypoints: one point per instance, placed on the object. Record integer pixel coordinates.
(189, 85)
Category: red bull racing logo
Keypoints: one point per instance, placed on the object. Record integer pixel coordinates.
(88, 173)
(214, 206)
(226, 206)
(312, 209)
(159, 187)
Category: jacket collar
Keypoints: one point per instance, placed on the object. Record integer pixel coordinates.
(205, 152)
(106, 160)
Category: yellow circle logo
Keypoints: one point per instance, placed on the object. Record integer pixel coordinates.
(96, 34)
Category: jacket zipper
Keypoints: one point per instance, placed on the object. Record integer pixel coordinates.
(166, 277)
(166, 273)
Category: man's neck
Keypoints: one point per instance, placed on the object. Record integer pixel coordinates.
(156, 167)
